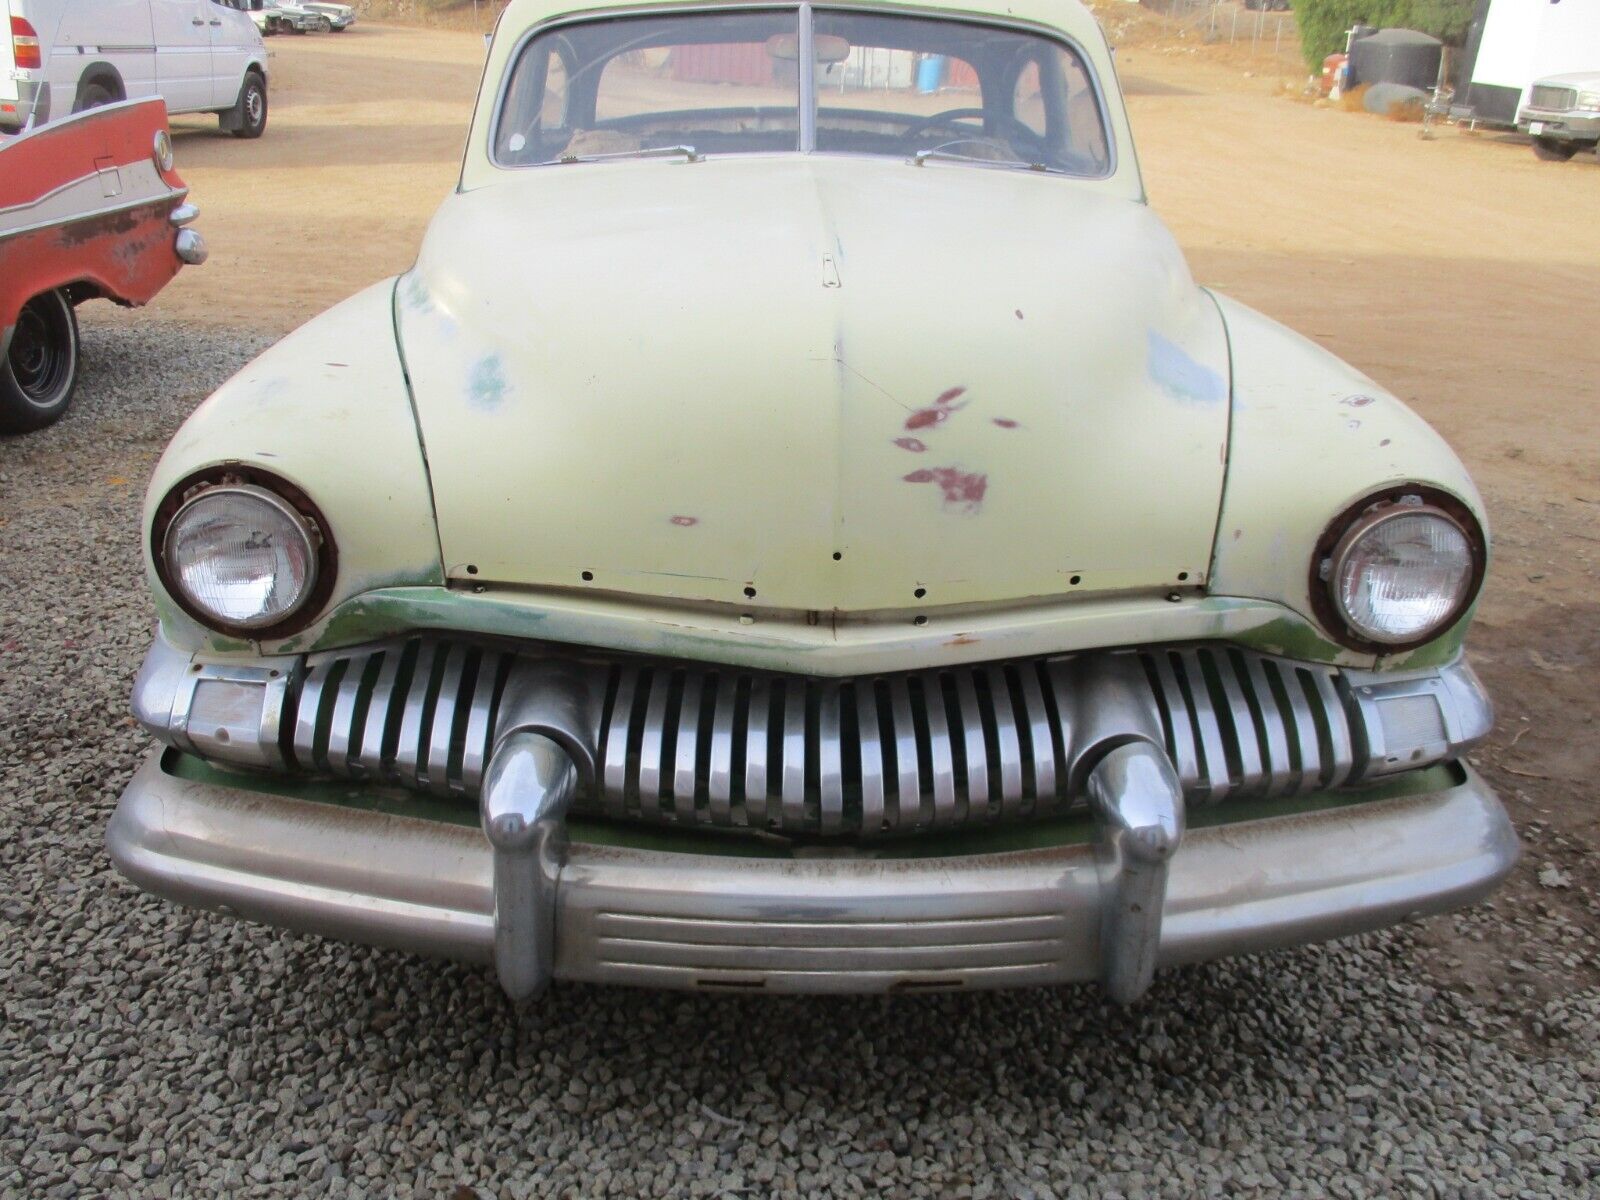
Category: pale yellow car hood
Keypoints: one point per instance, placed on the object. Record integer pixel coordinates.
(816, 383)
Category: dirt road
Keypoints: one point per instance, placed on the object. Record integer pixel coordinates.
(1459, 272)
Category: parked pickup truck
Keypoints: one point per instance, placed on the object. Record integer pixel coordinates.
(1562, 115)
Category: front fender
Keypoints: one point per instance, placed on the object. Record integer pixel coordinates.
(1311, 436)
(327, 409)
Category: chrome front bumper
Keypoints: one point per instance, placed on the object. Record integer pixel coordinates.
(825, 921)
(1565, 125)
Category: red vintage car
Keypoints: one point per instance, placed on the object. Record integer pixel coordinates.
(89, 207)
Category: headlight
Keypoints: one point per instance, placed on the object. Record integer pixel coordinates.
(1402, 570)
(238, 556)
(1589, 99)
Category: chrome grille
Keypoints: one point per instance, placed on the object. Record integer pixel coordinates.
(1246, 724)
(696, 744)
(1554, 99)
(418, 713)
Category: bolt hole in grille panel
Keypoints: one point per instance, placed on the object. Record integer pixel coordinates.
(696, 744)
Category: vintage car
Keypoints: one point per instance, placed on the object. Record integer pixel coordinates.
(1562, 115)
(799, 526)
(280, 16)
(340, 16)
(90, 207)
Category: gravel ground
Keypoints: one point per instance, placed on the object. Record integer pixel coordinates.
(150, 1051)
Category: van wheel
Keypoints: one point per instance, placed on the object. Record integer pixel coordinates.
(40, 369)
(94, 95)
(1551, 150)
(250, 113)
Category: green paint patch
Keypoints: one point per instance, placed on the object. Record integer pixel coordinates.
(486, 383)
(1292, 637)
(1073, 829)
(365, 797)
(414, 293)
(1442, 650)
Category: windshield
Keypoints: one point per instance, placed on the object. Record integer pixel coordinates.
(730, 82)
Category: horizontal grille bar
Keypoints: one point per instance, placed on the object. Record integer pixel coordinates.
(694, 744)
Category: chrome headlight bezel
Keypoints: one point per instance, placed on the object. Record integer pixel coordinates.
(291, 503)
(1346, 531)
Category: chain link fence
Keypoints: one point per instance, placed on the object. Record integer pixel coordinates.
(1270, 33)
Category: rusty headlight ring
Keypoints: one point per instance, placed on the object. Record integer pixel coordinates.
(1345, 532)
(292, 500)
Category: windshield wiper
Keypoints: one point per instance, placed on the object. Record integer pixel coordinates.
(688, 152)
(921, 157)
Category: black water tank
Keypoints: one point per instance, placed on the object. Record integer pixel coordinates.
(1396, 56)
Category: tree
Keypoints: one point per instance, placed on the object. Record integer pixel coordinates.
(1323, 22)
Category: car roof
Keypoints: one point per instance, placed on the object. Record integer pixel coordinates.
(1067, 16)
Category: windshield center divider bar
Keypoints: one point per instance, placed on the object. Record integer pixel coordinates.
(808, 82)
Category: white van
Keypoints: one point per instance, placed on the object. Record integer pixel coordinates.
(63, 56)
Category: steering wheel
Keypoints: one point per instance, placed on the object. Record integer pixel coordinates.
(948, 117)
(1013, 127)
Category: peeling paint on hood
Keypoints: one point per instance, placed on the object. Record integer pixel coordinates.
(598, 352)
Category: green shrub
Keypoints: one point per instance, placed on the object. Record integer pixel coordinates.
(1323, 22)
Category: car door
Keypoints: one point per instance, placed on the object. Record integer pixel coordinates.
(183, 53)
(233, 39)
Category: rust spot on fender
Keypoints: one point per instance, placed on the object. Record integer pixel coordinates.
(1357, 401)
(113, 224)
(962, 639)
(685, 522)
(965, 489)
(1019, 314)
(915, 445)
(1006, 423)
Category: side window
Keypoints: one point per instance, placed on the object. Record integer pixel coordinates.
(536, 119)
(1027, 98)
(1086, 129)
(553, 114)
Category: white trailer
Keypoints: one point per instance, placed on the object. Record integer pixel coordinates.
(1513, 42)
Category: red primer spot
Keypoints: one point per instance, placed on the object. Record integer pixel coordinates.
(915, 445)
(1005, 422)
(960, 487)
(962, 640)
(939, 411)
(685, 522)
(1357, 401)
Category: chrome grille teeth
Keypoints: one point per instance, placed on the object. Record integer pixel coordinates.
(1285, 723)
(687, 744)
